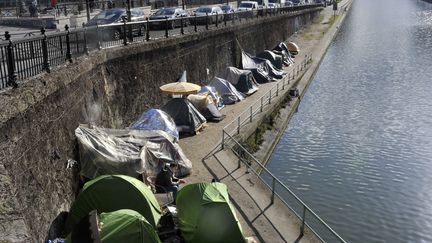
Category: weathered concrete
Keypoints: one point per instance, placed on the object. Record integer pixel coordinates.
(110, 88)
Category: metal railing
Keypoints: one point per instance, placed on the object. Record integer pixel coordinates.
(25, 58)
(304, 213)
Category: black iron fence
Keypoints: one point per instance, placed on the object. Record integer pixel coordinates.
(21, 59)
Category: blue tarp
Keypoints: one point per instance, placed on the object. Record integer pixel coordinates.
(155, 119)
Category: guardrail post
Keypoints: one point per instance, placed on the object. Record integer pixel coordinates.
(223, 139)
(207, 24)
(68, 49)
(303, 221)
(166, 27)
(195, 18)
(277, 89)
(270, 94)
(273, 190)
(10, 62)
(148, 30)
(181, 23)
(46, 64)
(217, 20)
(250, 117)
(238, 125)
(261, 107)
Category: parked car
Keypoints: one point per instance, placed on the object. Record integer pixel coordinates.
(229, 11)
(115, 16)
(289, 4)
(173, 15)
(249, 8)
(211, 11)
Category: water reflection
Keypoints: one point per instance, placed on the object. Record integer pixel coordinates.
(360, 149)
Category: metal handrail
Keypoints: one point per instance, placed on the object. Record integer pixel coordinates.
(227, 134)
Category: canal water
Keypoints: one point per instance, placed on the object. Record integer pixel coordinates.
(359, 150)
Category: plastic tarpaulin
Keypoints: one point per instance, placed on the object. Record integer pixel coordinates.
(186, 116)
(282, 49)
(242, 80)
(261, 65)
(114, 192)
(205, 214)
(275, 59)
(127, 152)
(204, 103)
(217, 99)
(155, 119)
(124, 225)
(229, 93)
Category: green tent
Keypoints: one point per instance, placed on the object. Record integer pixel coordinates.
(124, 225)
(113, 192)
(205, 214)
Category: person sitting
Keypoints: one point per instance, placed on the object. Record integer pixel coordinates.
(167, 182)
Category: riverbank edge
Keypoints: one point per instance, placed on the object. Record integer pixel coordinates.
(286, 112)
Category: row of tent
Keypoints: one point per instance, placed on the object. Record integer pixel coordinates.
(117, 208)
(148, 144)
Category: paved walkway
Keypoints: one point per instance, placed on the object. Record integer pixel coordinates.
(264, 221)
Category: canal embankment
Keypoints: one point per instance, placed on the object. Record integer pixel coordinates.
(109, 88)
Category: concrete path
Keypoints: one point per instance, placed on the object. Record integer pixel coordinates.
(264, 221)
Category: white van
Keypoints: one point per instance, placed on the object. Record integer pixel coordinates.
(247, 6)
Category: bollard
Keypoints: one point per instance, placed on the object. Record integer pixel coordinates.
(68, 50)
(46, 64)
(10, 63)
(277, 89)
(250, 116)
(207, 24)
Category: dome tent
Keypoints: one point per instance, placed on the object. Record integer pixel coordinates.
(186, 116)
(155, 119)
(123, 225)
(196, 203)
(229, 93)
(113, 192)
(243, 80)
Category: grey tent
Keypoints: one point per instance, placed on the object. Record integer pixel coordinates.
(242, 80)
(127, 152)
(186, 116)
(274, 58)
(228, 92)
(261, 66)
